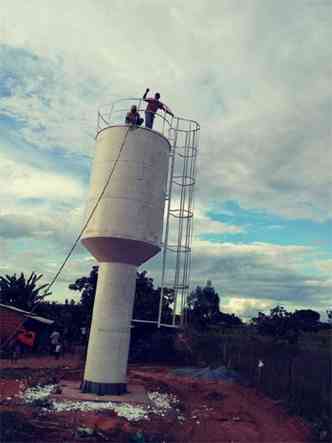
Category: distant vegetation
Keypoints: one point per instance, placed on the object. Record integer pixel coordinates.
(204, 309)
(286, 354)
(202, 313)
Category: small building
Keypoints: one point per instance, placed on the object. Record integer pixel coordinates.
(15, 321)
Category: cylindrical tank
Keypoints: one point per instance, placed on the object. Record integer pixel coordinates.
(124, 232)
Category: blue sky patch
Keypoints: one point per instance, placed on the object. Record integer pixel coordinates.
(261, 226)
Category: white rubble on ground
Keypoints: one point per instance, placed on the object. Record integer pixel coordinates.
(38, 393)
(160, 404)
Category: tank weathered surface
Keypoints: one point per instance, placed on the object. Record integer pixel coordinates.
(124, 232)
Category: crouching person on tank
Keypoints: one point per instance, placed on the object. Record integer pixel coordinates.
(133, 117)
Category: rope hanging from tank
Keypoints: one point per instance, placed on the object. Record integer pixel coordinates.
(54, 279)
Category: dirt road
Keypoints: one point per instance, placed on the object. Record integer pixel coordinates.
(211, 411)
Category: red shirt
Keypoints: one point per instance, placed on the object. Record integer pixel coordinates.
(153, 105)
(26, 337)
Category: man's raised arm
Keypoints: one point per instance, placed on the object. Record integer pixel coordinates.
(146, 93)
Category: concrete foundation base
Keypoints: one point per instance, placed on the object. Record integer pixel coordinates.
(71, 390)
(103, 388)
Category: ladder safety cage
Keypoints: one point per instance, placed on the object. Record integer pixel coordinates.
(176, 260)
(183, 135)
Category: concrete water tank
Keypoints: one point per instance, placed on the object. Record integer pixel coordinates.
(124, 231)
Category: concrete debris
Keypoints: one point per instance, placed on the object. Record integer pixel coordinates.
(160, 405)
(38, 393)
(162, 402)
(84, 432)
(125, 410)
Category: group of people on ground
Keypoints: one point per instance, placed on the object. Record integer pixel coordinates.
(58, 342)
(61, 342)
(133, 117)
(17, 349)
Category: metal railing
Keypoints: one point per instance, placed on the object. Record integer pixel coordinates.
(115, 114)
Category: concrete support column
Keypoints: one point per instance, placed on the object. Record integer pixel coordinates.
(106, 364)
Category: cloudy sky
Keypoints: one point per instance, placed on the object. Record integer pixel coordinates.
(257, 76)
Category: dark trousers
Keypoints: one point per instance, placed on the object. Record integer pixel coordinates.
(149, 117)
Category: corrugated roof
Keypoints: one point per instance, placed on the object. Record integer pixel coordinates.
(41, 319)
(13, 308)
(28, 314)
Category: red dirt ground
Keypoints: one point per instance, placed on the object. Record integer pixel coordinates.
(215, 412)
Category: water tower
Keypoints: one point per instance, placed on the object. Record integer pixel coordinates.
(124, 231)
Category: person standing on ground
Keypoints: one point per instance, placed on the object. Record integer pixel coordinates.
(57, 351)
(15, 351)
(55, 340)
(153, 105)
(83, 334)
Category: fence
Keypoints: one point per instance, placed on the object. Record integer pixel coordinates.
(300, 377)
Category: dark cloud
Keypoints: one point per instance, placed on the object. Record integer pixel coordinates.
(12, 226)
(264, 271)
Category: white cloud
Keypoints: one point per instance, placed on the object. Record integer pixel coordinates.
(260, 145)
(245, 308)
(256, 76)
(22, 180)
(324, 266)
(204, 224)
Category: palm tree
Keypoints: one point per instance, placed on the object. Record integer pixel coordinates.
(21, 292)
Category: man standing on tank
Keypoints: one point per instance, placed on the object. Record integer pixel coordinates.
(153, 105)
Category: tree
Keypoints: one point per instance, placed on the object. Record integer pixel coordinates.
(69, 317)
(276, 324)
(229, 319)
(203, 306)
(87, 286)
(146, 305)
(21, 292)
(305, 320)
(283, 324)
